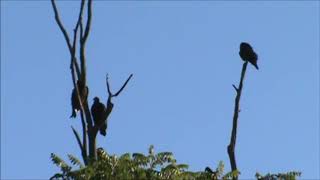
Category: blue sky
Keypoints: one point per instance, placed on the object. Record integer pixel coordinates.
(184, 57)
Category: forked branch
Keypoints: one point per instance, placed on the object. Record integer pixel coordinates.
(109, 106)
(120, 90)
(64, 32)
(79, 77)
(76, 73)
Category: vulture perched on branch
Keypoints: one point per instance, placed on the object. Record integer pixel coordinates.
(83, 91)
(247, 54)
(98, 111)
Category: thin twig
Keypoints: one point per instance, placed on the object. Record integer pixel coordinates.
(83, 41)
(73, 54)
(78, 138)
(80, 12)
(123, 86)
(120, 90)
(81, 30)
(84, 138)
(108, 86)
(235, 88)
(75, 38)
(88, 25)
(57, 18)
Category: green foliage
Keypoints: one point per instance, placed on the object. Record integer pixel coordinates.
(158, 166)
(280, 176)
(75, 161)
(155, 166)
(65, 168)
(231, 174)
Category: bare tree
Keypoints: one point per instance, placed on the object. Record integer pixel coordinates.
(79, 80)
(247, 55)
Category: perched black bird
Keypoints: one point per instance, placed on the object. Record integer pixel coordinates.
(247, 54)
(83, 91)
(98, 111)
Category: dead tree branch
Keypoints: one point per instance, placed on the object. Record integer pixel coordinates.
(88, 26)
(231, 146)
(120, 90)
(75, 64)
(78, 75)
(109, 105)
(75, 67)
(83, 40)
(65, 34)
(76, 134)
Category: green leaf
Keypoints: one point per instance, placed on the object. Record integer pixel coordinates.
(140, 159)
(65, 168)
(183, 166)
(75, 161)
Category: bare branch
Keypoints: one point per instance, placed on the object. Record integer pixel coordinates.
(81, 75)
(81, 30)
(79, 22)
(108, 86)
(65, 34)
(82, 147)
(88, 25)
(120, 90)
(109, 106)
(235, 88)
(231, 146)
(81, 12)
(123, 86)
(78, 138)
(73, 55)
(83, 40)
(84, 138)
(75, 38)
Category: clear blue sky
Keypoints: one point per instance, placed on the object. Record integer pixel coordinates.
(184, 57)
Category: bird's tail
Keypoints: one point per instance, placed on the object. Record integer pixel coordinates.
(103, 132)
(74, 114)
(103, 129)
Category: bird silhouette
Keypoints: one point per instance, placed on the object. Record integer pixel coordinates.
(247, 54)
(98, 111)
(208, 170)
(83, 91)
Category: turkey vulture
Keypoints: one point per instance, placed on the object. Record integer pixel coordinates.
(247, 54)
(98, 111)
(83, 91)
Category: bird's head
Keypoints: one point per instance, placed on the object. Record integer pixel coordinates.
(96, 99)
(245, 45)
